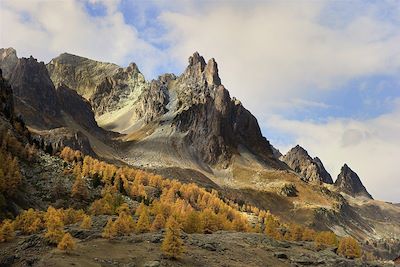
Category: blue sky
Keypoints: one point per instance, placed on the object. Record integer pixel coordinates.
(324, 74)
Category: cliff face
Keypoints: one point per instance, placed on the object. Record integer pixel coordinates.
(76, 106)
(117, 90)
(312, 170)
(79, 73)
(8, 61)
(106, 86)
(6, 98)
(349, 182)
(34, 94)
(216, 123)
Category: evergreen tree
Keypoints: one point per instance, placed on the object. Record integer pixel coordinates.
(158, 223)
(86, 222)
(79, 189)
(172, 245)
(143, 224)
(7, 231)
(349, 248)
(67, 243)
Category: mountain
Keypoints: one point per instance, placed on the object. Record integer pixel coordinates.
(349, 183)
(56, 116)
(311, 169)
(185, 127)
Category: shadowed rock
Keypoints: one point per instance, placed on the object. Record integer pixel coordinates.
(349, 182)
(310, 169)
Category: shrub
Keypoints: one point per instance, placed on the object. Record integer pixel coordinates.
(67, 243)
(349, 248)
(326, 238)
(7, 231)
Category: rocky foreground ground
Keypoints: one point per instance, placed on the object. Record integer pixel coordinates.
(217, 249)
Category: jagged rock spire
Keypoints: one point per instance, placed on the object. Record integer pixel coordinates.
(349, 182)
(200, 71)
(311, 169)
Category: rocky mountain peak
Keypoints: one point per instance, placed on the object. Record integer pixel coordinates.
(310, 169)
(197, 61)
(349, 182)
(79, 73)
(211, 72)
(8, 61)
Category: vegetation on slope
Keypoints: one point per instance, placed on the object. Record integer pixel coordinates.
(137, 202)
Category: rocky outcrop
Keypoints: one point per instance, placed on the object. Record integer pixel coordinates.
(106, 86)
(6, 98)
(79, 73)
(118, 90)
(62, 137)
(277, 154)
(311, 170)
(349, 183)
(152, 103)
(216, 125)
(77, 107)
(34, 94)
(8, 61)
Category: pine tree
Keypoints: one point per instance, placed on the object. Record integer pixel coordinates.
(308, 235)
(158, 223)
(143, 224)
(349, 248)
(108, 229)
(7, 231)
(193, 223)
(326, 238)
(86, 222)
(79, 189)
(54, 225)
(172, 245)
(67, 243)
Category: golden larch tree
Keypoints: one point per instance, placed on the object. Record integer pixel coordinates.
(349, 248)
(7, 231)
(173, 245)
(66, 243)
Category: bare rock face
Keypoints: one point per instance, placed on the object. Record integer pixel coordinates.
(34, 94)
(106, 86)
(76, 106)
(349, 183)
(8, 61)
(312, 170)
(79, 73)
(152, 103)
(60, 137)
(216, 125)
(117, 90)
(6, 98)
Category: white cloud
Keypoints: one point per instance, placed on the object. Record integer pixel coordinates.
(45, 29)
(369, 147)
(277, 50)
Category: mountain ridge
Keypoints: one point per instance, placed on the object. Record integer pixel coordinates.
(188, 127)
